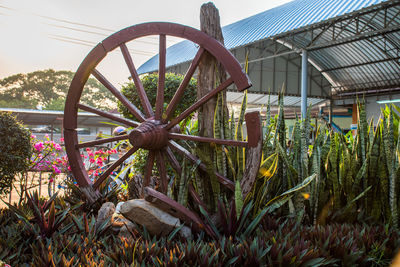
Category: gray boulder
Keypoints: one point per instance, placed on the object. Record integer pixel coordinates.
(156, 221)
(105, 213)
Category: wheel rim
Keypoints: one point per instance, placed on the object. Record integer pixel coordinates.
(154, 130)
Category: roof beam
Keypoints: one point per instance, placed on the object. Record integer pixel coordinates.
(354, 38)
(361, 64)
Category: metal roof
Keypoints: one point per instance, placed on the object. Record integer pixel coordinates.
(262, 99)
(284, 18)
(355, 44)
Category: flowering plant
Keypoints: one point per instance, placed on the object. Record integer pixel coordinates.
(96, 161)
(49, 156)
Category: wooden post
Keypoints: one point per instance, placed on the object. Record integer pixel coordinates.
(211, 72)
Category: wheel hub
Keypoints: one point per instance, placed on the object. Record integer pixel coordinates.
(150, 134)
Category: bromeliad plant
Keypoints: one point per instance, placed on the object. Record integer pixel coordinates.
(46, 220)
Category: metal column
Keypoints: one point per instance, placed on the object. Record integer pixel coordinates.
(304, 60)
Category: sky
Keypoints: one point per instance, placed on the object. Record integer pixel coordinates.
(58, 34)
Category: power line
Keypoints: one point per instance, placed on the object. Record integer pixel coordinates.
(90, 43)
(69, 41)
(92, 32)
(84, 25)
(74, 23)
(75, 29)
(9, 8)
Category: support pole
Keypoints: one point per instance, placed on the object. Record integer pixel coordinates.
(304, 60)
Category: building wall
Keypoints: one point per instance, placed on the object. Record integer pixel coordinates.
(372, 107)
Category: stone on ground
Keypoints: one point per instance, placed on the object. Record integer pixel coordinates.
(105, 213)
(156, 221)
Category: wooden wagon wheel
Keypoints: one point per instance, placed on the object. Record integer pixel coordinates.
(154, 130)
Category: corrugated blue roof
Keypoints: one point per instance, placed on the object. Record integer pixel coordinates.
(287, 17)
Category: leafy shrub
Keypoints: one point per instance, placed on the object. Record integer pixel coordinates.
(15, 150)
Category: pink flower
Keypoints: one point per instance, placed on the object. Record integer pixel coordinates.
(90, 154)
(39, 146)
(33, 136)
(56, 170)
(91, 160)
(99, 162)
(69, 168)
(57, 147)
(61, 140)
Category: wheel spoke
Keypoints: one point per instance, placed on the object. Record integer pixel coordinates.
(131, 107)
(199, 103)
(161, 77)
(175, 164)
(223, 180)
(207, 140)
(196, 197)
(105, 174)
(179, 92)
(149, 168)
(163, 172)
(102, 141)
(138, 84)
(172, 159)
(107, 115)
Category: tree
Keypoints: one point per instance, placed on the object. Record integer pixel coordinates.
(49, 88)
(15, 150)
(150, 82)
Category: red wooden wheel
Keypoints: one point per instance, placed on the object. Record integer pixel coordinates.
(153, 131)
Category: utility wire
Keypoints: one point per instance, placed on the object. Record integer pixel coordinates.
(83, 25)
(74, 23)
(69, 41)
(92, 32)
(84, 42)
(75, 29)
(90, 43)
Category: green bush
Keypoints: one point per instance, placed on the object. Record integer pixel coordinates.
(150, 82)
(15, 150)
